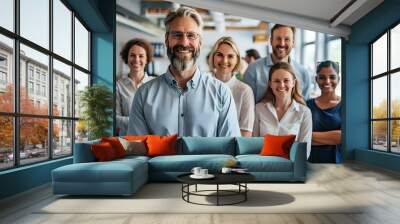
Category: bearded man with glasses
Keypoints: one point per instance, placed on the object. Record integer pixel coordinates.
(184, 101)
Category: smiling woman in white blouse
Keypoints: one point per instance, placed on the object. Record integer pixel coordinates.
(224, 61)
(136, 53)
(282, 111)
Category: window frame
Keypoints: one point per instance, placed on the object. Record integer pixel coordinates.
(16, 115)
(388, 74)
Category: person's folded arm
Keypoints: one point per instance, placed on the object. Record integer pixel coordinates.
(327, 137)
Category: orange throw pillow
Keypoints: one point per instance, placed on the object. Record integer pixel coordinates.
(135, 137)
(277, 145)
(103, 151)
(116, 145)
(161, 145)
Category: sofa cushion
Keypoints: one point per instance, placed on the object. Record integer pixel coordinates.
(134, 147)
(249, 145)
(185, 163)
(208, 145)
(103, 152)
(257, 163)
(161, 145)
(277, 145)
(116, 145)
(112, 171)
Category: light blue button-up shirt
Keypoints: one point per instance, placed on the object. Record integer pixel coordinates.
(206, 108)
(257, 74)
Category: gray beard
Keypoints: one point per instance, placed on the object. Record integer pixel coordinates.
(183, 64)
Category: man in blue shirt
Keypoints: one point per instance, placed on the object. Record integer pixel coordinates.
(282, 42)
(183, 101)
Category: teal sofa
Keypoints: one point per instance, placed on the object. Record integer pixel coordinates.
(125, 176)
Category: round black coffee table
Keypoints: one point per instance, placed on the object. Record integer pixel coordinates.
(238, 179)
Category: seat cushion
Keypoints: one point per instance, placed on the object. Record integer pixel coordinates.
(184, 163)
(111, 171)
(257, 163)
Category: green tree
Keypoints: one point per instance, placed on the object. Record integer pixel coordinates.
(96, 102)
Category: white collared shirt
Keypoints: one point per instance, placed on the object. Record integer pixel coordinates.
(296, 121)
(244, 101)
(125, 92)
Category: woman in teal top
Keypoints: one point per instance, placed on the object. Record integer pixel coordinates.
(325, 109)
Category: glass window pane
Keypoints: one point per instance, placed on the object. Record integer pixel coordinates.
(7, 14)
(34, 68)
(6, 142)
(395, 47)
(335, 50)
(62, 89)
(395, 94)
(309, 36)
(33, 140)
(81, 131)
(379, 98)
(62, 29)
(35, 21)
(309, 56)
(6, 74)
(395, 136)
(81, 45)
(62, 141)
(379, 55)
(379, 135)
(81, 81)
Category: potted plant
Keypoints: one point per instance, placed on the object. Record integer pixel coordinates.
(96, 102)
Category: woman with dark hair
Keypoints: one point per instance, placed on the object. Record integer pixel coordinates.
(136, 53)
(224, 61)
(282, 111)
(325, 109)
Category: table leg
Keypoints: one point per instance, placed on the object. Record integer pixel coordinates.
(217, 194)
(245, 191)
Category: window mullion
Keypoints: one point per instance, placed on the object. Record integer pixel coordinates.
(50, 81)
(389, 95)
(16, 83)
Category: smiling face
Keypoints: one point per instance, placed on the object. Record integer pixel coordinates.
(183, 43)
(225, 59)
(282, 83)
(137, 58)
(327, 79)
(282, 42)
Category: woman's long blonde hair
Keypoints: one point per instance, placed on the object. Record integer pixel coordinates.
(229, 41)
(296, 91)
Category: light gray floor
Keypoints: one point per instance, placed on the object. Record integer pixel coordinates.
(377, 188)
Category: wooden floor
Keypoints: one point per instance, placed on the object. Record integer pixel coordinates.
(377, 188)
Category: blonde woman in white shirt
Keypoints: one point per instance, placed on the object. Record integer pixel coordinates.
(282, 111)
(136, 53)
(224, 61)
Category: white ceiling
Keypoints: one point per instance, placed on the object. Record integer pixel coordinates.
(316, 15)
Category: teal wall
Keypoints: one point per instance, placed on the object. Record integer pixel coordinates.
(99, 16)
(356, 84)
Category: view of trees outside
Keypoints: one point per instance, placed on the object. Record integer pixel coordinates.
(33, 137)
(379, 128)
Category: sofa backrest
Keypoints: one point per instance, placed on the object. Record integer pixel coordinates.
(249, 145)
(83, 153)
(207, 145)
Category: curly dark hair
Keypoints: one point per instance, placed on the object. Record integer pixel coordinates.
(140, 42)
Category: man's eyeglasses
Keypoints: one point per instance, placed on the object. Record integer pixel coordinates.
(179, 35)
